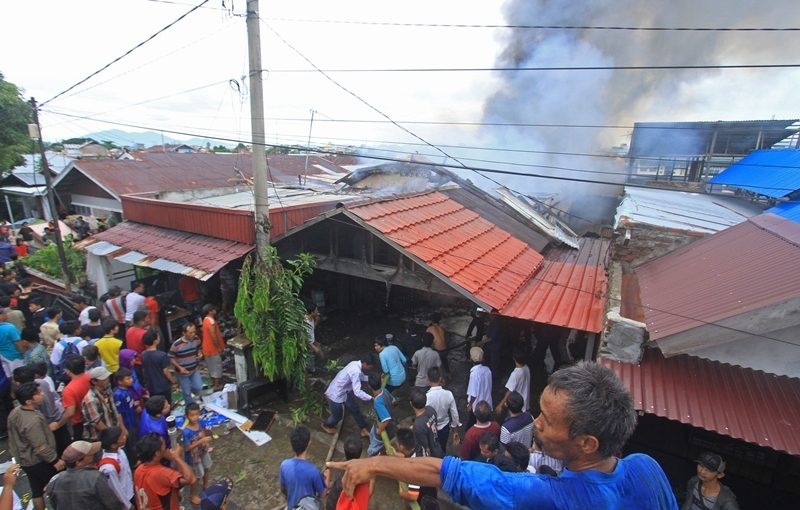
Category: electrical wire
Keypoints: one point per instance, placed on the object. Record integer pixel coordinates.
(384, 158)
(95, 73)
(538, 68)
(535, 27)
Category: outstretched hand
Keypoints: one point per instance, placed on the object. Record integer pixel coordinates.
(356, 472)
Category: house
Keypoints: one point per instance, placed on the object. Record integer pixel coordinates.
(180, 148)
(95, 187)
(431, 247)
(695, 151)
(84, 148)
(24, 186)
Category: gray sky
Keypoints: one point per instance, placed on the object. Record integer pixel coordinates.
(208, 48)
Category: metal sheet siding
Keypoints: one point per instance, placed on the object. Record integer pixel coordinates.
(743, 268)
(570, 290)
(774, 173)
(738, 402)
(195, 251)
(788, 210)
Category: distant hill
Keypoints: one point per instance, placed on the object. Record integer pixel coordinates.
(148, 138)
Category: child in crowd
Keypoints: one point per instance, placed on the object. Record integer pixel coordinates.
(405, 446)
(154, 419)
(115, 466)
(381, 402)
(129, 407)
(109, 346)
(196, 441)
(127, 359)
(352, 450)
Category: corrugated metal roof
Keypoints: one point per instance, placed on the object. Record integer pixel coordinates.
(773, 173)
(570, 289)
(566, 288)
(168, 250)
(521, 205)
(738, 402)
(743, 268)
(690, 212)
(789, 210)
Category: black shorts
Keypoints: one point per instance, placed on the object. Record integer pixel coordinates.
(39, 476)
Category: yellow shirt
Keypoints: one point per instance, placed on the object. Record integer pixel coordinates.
(109, 351)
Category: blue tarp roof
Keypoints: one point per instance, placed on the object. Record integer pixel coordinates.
(771, 172)
(789, 210)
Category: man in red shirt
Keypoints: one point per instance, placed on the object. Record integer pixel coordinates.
(72, 397)
(157, 486)
(470, 445)
(213, 345)
(134, 336)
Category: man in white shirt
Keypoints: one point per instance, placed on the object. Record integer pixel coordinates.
(519, 381)
(115, 466)
(343, 390)
(479, 387)
(443, 402)
(134, 301)
(83, 307)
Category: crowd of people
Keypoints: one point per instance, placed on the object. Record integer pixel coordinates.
(570, 452)
(86, 404)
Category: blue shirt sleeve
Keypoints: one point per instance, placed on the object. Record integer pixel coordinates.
(466, 483)
(380, 408)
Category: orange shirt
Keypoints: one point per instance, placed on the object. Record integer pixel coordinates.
(154, 481)
(21, 249)
(209, 347)
(152, 310)
(190, 289)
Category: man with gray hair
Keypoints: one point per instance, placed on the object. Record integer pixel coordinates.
(586, 417)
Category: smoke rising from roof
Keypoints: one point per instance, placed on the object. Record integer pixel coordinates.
(620, 97)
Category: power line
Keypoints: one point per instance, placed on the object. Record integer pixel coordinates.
(537, 27)
(384, 158)
(84, 80)
(538, 68)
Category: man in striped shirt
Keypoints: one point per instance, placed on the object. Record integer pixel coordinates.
(185, 356)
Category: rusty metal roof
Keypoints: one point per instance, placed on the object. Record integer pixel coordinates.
(744, 268)
(570, 289)
(738, 402)
(169, 250)
(565, 288)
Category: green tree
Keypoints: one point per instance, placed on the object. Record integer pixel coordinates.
(220, 148)
(15, 114)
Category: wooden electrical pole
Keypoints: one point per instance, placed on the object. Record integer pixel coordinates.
(51, 202)
(257, 128)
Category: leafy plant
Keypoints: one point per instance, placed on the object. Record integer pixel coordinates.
(46, 260)
(271, 314)
(332, 365)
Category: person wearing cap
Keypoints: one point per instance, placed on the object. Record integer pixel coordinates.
(479, 387)
(82, 486)
(704, 491)
(393, 363)
(31, 442)
(99, 411)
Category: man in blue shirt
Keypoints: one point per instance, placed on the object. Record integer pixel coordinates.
(586, 417)
(299, 478)
(381, 401)
(10, 354)
(393, 362)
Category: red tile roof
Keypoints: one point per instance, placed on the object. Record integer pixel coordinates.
(564, 288)
(746, 267)
(570, 289)
(738, 402)
(480, 257)
(202, 252)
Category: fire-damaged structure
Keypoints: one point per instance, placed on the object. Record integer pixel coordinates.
(695, 151)
(446, 246)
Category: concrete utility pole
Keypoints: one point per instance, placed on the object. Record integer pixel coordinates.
(51, 202)
(257, 128)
